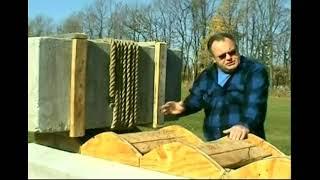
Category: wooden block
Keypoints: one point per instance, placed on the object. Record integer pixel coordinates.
(268, 168)
(77, 88)
(181, 160)
(110, 146)
(259, 142)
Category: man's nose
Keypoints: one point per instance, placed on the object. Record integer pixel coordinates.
(228, 56)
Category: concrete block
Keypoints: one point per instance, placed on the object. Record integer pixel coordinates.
(49, 73)
(48, 83)
(45, 162)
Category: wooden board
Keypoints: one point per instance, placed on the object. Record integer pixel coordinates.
(181, 160)
(77, 88)
(268, 168)
(146, 141)
(265, 145)
(233, 154)
(238, 158)
(187, 136)
(110, 146)
(160, 61)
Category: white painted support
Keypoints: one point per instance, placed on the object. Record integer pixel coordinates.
(45, 162)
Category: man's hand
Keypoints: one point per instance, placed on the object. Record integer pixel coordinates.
(237, 132)
(172, 107)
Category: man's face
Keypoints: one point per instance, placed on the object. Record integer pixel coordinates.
(225, 55)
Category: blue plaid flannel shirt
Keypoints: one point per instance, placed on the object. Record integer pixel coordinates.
(242, 100)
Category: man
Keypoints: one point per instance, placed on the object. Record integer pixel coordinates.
(233, 93)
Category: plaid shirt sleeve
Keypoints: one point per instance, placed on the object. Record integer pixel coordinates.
(254, 109)
(193, 103)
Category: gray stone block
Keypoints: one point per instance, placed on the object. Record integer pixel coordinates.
(49, 72)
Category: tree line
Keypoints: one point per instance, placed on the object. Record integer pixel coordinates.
(262, 28)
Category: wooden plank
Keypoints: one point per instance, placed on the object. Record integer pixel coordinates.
(173, 131)
(223, 146)
(259, 142)
(146, 141)
(148, 136)
(233, 154)
(181, 160)
(145, 147)
(77, 88)
(186, 135)
(160, 61)
(239, 157)
(110, 146)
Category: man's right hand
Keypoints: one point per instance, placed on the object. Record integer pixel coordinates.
(172, 108)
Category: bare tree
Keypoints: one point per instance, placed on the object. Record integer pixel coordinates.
(132, 24)
(88, 21)
(41, 25)
(117, 22)
(73, 23)
(201, 13)
(96, 18)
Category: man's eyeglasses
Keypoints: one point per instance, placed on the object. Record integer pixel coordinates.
(231, 53)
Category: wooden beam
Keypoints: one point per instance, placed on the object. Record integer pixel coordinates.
(160, 61)
(77, 88)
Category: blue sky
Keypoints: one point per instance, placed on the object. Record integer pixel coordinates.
(60, 9)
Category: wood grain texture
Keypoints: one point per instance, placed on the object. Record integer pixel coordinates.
(177, 151)
(187, 136)
(240, 157)
(268, 168)
(181, 160)
(233, 154)
(265, 145)
(112, 147)
(77, 87)
(146, 141)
